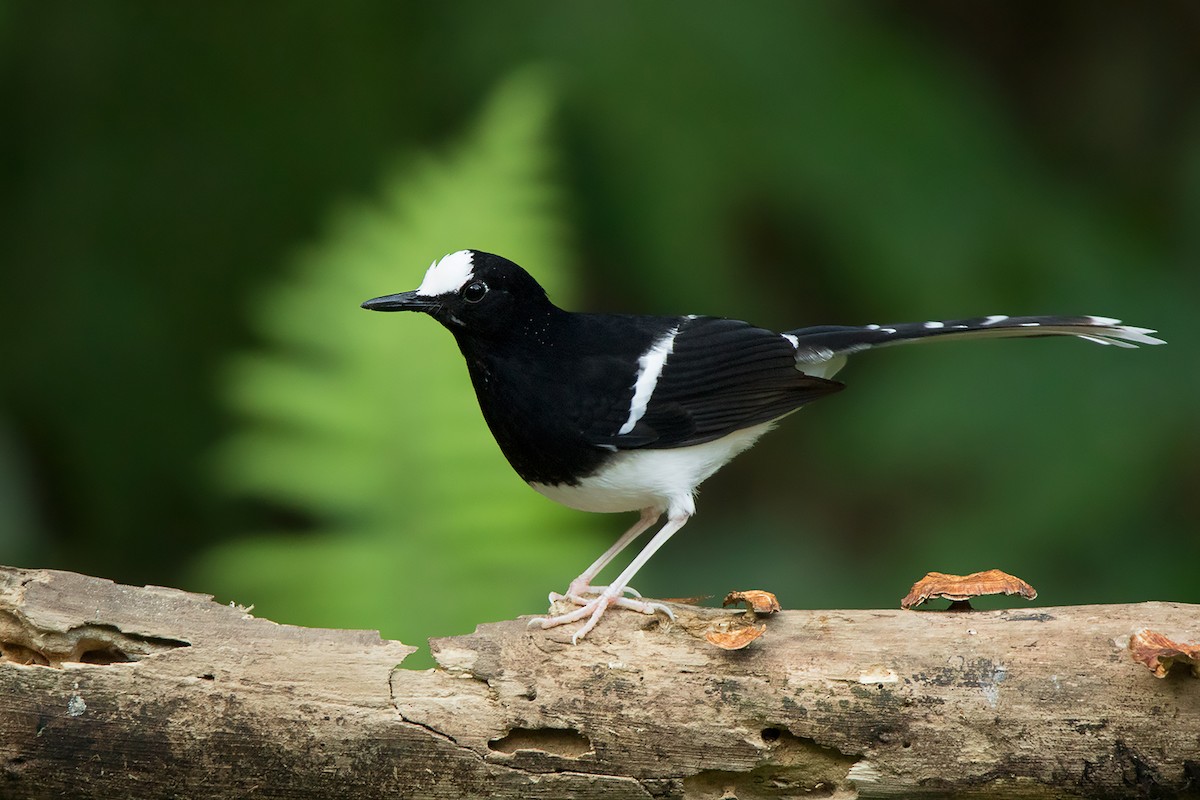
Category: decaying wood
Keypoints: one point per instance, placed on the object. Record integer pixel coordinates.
(116, 691)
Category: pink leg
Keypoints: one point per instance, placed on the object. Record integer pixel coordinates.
(593, 609)
(583, 584)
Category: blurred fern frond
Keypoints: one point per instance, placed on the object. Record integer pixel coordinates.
(367, 423)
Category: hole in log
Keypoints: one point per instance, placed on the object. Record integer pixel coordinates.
(97, 644)
(564, 742)
(94, 652)
(791, 766)
(759, 784)
(20, 654)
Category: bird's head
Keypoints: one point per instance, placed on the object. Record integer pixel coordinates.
(472, 292)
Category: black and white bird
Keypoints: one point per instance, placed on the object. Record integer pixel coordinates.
(607, 412)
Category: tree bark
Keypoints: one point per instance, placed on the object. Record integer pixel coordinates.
(117, 691)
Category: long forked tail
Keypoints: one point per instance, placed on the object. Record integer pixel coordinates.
(825, 347)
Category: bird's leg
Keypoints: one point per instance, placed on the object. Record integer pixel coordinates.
(582, 585)
(593, 609)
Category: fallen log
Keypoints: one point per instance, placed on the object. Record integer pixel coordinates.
(118, 691)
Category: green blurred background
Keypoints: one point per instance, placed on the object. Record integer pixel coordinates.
(196, 199)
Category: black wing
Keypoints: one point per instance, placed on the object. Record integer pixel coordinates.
(721, 376)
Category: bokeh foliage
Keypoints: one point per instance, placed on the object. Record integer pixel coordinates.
(367, 425)
(196, 201)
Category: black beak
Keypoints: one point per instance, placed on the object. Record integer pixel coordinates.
(405, 301)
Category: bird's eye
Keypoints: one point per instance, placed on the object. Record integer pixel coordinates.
(474, 291)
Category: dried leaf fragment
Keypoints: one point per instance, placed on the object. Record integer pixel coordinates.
(1159, 652)
(736, 632)
(734, 638)
(756, 600)
(960, 588)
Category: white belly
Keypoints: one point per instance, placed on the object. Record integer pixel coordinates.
(662, 479)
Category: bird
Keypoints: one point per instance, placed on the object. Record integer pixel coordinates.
(619, 412)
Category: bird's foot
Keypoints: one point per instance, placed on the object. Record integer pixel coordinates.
(594, 608)
(579, 590)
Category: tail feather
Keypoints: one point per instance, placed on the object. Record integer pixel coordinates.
(826, 343)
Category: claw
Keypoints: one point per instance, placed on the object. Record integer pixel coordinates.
(613, 595)
(593, 609)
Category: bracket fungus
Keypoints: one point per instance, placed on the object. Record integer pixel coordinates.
(959, 589)
(1158, 652)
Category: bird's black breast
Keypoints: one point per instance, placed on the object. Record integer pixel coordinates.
(546, 396)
